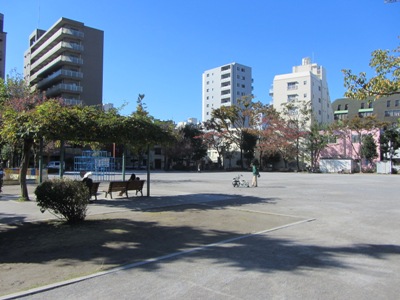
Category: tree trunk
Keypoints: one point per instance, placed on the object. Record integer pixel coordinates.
(26, 151)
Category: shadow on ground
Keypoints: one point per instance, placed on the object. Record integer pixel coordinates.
(58, 251)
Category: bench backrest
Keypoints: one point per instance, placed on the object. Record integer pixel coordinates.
(95, 187)
(116, 186)
(135, 184)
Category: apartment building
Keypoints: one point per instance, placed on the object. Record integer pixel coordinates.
(223, 86)
(306, 83)
(66, 61)
(385, 108)
(3, 36)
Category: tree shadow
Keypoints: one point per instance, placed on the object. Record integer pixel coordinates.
(11, 219)
(178, 202)
(150, 239)
(123, 241)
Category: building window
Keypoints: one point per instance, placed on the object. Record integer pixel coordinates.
(243, 86)
(319, 88)
(305, 82)
(370, 104)
(293, 111)
(208, 105)
(319, 100)
(332, 139)
(362, 105)
(208, 75)
(224, 68)
(291, 98)
(228, 83)
(225, 100)
(225, 76)
(340, 116)
(346, 107)
(292, 86)
(225, 92)
(365, 114)
(388, 103)
(243, 70)
(305, 95)
(392, 113)
(355, 138)
(208, 97)
(339, 107)
(396, 102)
(208, 90)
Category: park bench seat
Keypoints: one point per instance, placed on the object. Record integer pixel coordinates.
(94, 190)
(124, 187)
(135, 185)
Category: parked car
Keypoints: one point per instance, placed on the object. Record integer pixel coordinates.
(54, 165)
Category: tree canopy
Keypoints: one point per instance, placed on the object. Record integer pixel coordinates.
(27, 118)
(386, 81)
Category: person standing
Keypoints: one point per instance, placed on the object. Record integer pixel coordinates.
(256, 174)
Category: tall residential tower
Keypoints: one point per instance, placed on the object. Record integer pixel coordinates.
(66, 61)
(223, 86)
(306, 83)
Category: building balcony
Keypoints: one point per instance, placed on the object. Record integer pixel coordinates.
(63, 87)
(57, 76)
(225, 77)
(53, 53)
(69, 101)
(55, 64)
(226, 92)
(48, 40)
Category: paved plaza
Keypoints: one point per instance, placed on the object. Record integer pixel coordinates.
(295, 236)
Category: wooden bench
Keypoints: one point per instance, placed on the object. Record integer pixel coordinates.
(135, 185)
(124, 187)
(95, 187)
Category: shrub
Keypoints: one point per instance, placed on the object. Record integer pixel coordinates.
(66, 199)
(370, 169)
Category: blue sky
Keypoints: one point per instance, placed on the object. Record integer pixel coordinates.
(161, 48)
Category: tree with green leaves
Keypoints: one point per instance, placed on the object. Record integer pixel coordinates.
(215, 140)
(237, 120)
(52, 121)
(368, 149)
(299, 118)
(389, 142)
(315, 141)
(386, 81)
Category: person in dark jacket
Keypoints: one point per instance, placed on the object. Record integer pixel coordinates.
(132, 178)
(87, 181)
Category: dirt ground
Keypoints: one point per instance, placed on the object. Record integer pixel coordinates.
(37, 254)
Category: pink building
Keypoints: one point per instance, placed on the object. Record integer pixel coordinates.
(346, 148)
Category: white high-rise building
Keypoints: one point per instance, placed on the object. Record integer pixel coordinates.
(223, 86)
(306, 83)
